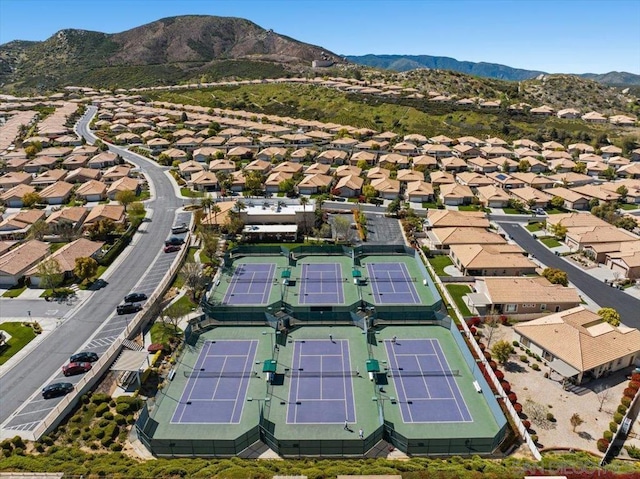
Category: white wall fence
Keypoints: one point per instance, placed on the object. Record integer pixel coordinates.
(524, 434)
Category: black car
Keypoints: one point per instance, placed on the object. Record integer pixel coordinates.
(128, 308)
(84, 357)
(174, 241)
(98, 284)
(56, 389)
(135, 297)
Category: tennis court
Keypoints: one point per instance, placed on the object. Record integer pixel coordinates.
(391, 283)
(250, 284)
(425, 385)
(320, 387)
(217, 386)
(321, 283)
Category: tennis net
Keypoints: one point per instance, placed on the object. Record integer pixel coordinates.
(407, 373)
(389, 279)
(220, 374)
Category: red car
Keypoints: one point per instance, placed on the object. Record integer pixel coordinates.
(172, 248)
(72, 369)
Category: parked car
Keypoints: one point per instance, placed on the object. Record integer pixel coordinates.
(84, 357)
(172, 248)
(540, 211)
(128, 308)
(181, 228)
(135, 297)
(72, 369)
(174, 241)
(98, 284)
(56, 389)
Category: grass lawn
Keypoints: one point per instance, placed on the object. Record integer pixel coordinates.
(431, 206)
(186, 300)
(439, 263)
(20, 337)
(512, 211)
(204, 258)
(555, 211)
(162, 332)
(628, 206)
(551, 242)
(457, 291)
(178, 282)
(191, 254)
(534, 227)
(53, 247)
(144, 195)
(189, 193)
(14, 292)
(469, 208)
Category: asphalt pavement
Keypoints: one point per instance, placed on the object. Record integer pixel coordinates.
(600, 293)
(94, 323)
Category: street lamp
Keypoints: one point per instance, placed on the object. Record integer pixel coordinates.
(271, 335)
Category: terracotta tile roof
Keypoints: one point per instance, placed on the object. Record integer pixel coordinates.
(353, 182)
(72, 214)
(581, 338)
(91, 187)
(316, 180)
(17, 192)
(450, 218)
(466, 235)
(60, 189)
(24, 256)
(485, 256)
(386, 185)
(113, 212)
(573, 220)
(66, 256)
(528, 290)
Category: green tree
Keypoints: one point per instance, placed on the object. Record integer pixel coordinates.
(556, 276)
(101, 229)
(194, 280)
(304, 201)
(623, 191)
(288, 187)
(502, 350)
(369, 192)
(38, 230)
(557, 202)
(50, 274)
(393, 208)
(125, 198)
(524, 166)
(609, 173)
(342, 227)
(581, 167)
(31, 199)
(560, 231)
(174, 313)
(626, 222)
(85, 268)
(254, 182)
(137, 210)
(610, 315)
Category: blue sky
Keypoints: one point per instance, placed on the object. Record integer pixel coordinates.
(557, 36)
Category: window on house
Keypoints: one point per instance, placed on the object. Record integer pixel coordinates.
(543, 307)
(511, 308)
(525, 342)
(547, 356)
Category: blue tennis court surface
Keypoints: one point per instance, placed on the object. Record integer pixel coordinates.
(216, 389)
(321, 284)
(426, 390)
(320, 387)
(250, 284)
(392, 284)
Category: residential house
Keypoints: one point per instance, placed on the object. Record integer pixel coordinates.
(594, 117)
(101, 212)
(39, 164)
(82, 175)
(610, 151)
(440, 178)
(57, 193)
(568, 113)
(596, 192)
(465, 151)
(622, 120)
(579, 238)
(579, 345)
(11, 179)
(496, 152)
(526, 143)
(532, 197)
(238, 182)
(493, 197)
(386, 188)
(204, 181)
(393, 160)
(12, 198)
(424, 163)
(437, 151)
(419, 192)
(453, 219)
(624, 260)
(571, 179)
(572, 200)
(302, 154)
(452, 164)
(74, 162)
(444, 238)
(207, 153)
(15, 263)
(347, 170)
(491, 260)
(272, 183)
(272, 153)
(158, 145)
(543, 110)
(472, 179)
(314, 183)
(349, 186)
(318, 168)
(105, 159)
(188, 168)
(123, 184)
(332, 157)
(67, 219)
(407, 176)
(48, 177)
(115, 173)
(521, 298)
(66, 258)
(503, 180)
(456, 194)
(92, 190)
(629, 171)
(482, 165)
(581, 148)
(534, 180)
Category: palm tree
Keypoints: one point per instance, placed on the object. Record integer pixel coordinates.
(206, 203)
(215, 209)
(304, 201)
(240, 206)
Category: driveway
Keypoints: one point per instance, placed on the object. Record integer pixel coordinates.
(604, 296)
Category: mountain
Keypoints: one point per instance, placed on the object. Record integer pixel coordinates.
(488, 70)
(169, 50)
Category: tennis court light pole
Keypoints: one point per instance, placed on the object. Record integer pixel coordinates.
(271, 335)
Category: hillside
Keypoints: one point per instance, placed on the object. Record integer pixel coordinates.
(166, 51)
(402, 63)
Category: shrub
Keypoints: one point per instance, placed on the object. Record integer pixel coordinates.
(120, 419)
(17, 442)
(499, 375)
(534, 438)
(493, 365)
(518, 407)
(617, 417)
(634, 385)
(122, 408)
(99, 398)
(108, 415)
(106, 441)
(101, 409)
(515, 343)
(487, 355)
(526, 423)
(512, 397)
(85, 399)
(506, 386)
(535, 367)
(602, 445)
(550, 417)
(635, 377)
(613, 427)
(46, 440)
(115, 447)
(625, 401)
(524, 359)
(131, 419)
(18, 451)
(633, 452)
(622, 409)
(134, 402)
(608, 435)
(473, 330)
(629, 392)
(98, 433)
(103, 423)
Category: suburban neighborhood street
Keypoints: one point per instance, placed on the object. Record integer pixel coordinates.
(602, 294)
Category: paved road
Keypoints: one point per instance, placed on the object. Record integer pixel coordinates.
(603, 295)
(94, 324)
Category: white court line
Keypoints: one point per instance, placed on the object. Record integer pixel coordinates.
(424, 379)
(395, 360)
(195, 380)
(449, 384)
(253, 349)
